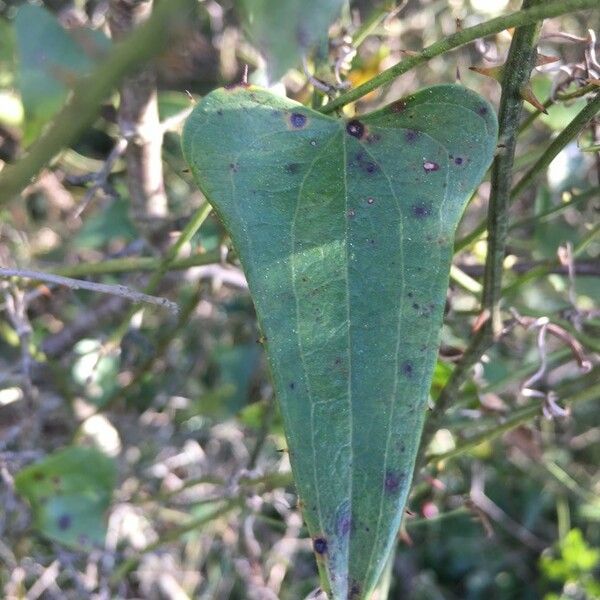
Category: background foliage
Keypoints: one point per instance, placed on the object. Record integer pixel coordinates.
(140, 450)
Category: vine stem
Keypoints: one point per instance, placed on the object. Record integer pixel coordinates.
(165, 24)
(526, 17)
(520, 62)
(572, 130)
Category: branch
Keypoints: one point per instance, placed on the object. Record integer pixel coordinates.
(165, 24)
(140, 126)
(101, 288)
(520, 62)
(525, 17)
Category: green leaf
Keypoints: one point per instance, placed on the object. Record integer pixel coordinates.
(345, 232)
(69, 492)
(284, 32)
(50, 60)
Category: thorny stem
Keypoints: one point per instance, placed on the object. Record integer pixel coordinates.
(82, 108)
(520, 62)
(571, 131)
(522, 18)
(517, 418)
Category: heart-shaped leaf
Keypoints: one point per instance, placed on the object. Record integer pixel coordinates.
(345, 231)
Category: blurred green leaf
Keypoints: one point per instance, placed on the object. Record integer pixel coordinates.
(110, 224)
(559, 114)
(51, 58)
(284, 32)
(69, 493)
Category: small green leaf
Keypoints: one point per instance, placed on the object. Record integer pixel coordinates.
(284, 32)
(345, 231)
(51, 59)
(69, 492)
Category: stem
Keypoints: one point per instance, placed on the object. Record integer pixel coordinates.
(136, 263)
(571, 131)
(82, 108)
(100, 288)
(520, 62)
(521, 18)
(517, 418)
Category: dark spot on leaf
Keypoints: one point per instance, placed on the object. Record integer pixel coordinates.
(292, 168)
(410, 294)
(370, 200)
(292, 385)
(302, 36)
(220, 112)
(458, 160)
(372, 242)
(344, 523)
(429, 166)
(354, 591)
(338, 361)
(313, 142)
(233, 167)
(411, 135)
(398, 106)
(320, 545)
(370, 167)
(351, 212)
(402, 447)
(38, 476)
(420, 211)
(407, 368)
(415, 306)
(355, 128)
(298, 120)
(482, 110)
(64, 522)
(392, 482)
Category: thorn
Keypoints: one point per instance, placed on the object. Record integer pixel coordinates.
(493, 72)
(543, 59)
(190, 97)
(528, 95)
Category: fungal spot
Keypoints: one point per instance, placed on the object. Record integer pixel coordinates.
(63, 522)
(233, 167)
(354, 591)
(398, 106)
(482, 110)
(345, 524)
(320, 545)
(411, 135)
(313, 142)
(292, 168)
(392, 482)
(429, 166)
(415, 306)
(370, 200)
(292, 385)
(355, 128)
(407, 368)
(298, 120)
(370, 167)
(420, 211)
(338, 361)
(410, 294)
(351, 213)
(220, 112)
(458, 160)
(372, 242)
